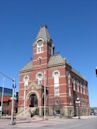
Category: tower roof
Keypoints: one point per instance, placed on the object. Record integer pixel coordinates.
(43, 33)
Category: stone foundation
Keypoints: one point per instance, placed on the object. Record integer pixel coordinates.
(66, 111)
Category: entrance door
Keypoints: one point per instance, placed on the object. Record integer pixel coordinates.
(57, 107)
(33, 101)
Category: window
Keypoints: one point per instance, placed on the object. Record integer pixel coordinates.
(84, 89)
(56, 75)
(77, 86)
(39, 77)
(26, 79)
(56, 91)
(39, 46)
(81, 89)
(73, 84)
(69, 84)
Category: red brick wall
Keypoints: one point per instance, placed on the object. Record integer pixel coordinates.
(65, 99)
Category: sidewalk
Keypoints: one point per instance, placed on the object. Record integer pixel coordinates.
(85, 117)
(39, 121)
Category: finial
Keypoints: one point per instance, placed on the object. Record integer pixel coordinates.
(43, 26)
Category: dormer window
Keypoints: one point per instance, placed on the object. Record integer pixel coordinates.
(39, 46)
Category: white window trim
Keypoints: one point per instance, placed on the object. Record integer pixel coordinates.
(38, 74)
(74, 85)
(39, 46)
(54, 73)
(39, 79)
(56, 85)
(40, 39)
(26, 80)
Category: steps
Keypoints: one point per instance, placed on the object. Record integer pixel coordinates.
(29, 112)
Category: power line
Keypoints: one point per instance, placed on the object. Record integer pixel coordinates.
(8, 77)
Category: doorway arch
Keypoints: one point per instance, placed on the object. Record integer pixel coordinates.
(33, 100)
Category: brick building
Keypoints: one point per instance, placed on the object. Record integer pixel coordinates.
(7, 101)
(63, 85)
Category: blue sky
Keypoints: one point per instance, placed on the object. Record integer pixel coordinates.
(72, 25)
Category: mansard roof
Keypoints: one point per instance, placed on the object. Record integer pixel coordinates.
(43, 34)
(54, 60)
(27, 66)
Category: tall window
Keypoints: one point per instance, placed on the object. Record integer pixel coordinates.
(39, 77)
(81, 89)
(69, 84)
(26, 79)
(39, 46)
(74, 84)
(77, 86)
(56, 75)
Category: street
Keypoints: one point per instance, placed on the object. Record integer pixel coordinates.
(55, 123)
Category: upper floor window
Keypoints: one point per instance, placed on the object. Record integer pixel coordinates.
(26, 79)
(56, 75)
(39, 46)
(39, 77)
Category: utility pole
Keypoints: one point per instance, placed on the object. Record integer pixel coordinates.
(44, 95)
(26, 79)
(2, 96)
(12, 111)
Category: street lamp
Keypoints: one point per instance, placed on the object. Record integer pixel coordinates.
(78, 102)
(13, 98)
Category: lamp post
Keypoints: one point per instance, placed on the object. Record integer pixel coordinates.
(13, 98)
(26, 79)
(78, 102)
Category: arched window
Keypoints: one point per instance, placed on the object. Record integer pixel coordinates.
(56, 75)
(77, 86)
(26, 79)
(39, 78)
(69, 84)
(39, 46)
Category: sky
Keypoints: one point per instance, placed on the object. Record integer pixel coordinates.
(72, 25)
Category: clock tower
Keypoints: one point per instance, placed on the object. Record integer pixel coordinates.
(43, 48)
